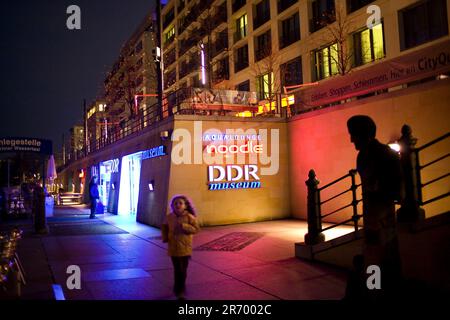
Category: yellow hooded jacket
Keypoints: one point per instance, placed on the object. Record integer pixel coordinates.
(178, 232)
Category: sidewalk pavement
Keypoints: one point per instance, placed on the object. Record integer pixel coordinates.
(121, 259)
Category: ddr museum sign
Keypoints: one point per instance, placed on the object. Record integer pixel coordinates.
(410, 67)
(26, 145)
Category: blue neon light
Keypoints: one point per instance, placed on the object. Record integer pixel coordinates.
(154, 152)
(234, 185)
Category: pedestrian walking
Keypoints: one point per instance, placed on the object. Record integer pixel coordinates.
(380, 171)
(178, 230)
(93, 195)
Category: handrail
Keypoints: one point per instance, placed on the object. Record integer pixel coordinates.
(335, 181)
(419, 170)
(434, 161)
(445, 136)
(315, 216)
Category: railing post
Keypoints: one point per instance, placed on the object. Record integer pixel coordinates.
(410, 210)
(355, 216)
(314, 234)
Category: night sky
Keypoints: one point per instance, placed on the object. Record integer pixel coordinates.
(48, 69)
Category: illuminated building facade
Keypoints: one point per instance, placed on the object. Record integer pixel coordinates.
(217, 70)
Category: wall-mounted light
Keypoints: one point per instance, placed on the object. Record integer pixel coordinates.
(394, 146)
(164, 135)
(113, 186)
(151, 185)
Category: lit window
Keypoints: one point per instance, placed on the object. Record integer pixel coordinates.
(169, 35)
(241, 27)
(326, 60)
(265, 86)
(369, 45)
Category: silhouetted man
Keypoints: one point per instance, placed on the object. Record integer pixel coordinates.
(380, 171)
(93, 195)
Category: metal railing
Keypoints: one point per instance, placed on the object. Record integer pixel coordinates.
(410, 210)
(413, 201)
(181, 101)
(421, 167)
(12, 275)
(315, 204)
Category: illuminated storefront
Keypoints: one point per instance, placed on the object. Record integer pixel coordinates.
(129, 184)
(108, 175)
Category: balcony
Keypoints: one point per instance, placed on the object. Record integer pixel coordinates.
(237, 4)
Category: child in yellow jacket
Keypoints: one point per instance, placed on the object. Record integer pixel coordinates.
(178, 230)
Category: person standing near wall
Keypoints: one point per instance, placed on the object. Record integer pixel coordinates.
(93, 195)
(178, 230)
(381, 179)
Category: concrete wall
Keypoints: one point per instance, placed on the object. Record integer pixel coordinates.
(152, 204)
(269, 202)
(319, 140)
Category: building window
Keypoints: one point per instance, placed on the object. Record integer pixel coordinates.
(222, 71)
(290, 30)
(369, 45)
(261, 13)
(138, 47)
(263, 45)
(284, 4)
(323, 12)
(326, 61)
(421, 23)
(237, 4)
(354, 5)
(168, 18)
(180, 5)
(265, 86)
(243, 86)
(139, 64)
(241, 58)
(169, 36)
(195, 81)
(241, 28)
(291, 72)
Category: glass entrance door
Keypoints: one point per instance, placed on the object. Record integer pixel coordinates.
(129, 184)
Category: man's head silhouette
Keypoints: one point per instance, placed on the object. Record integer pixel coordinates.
(362, 130)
